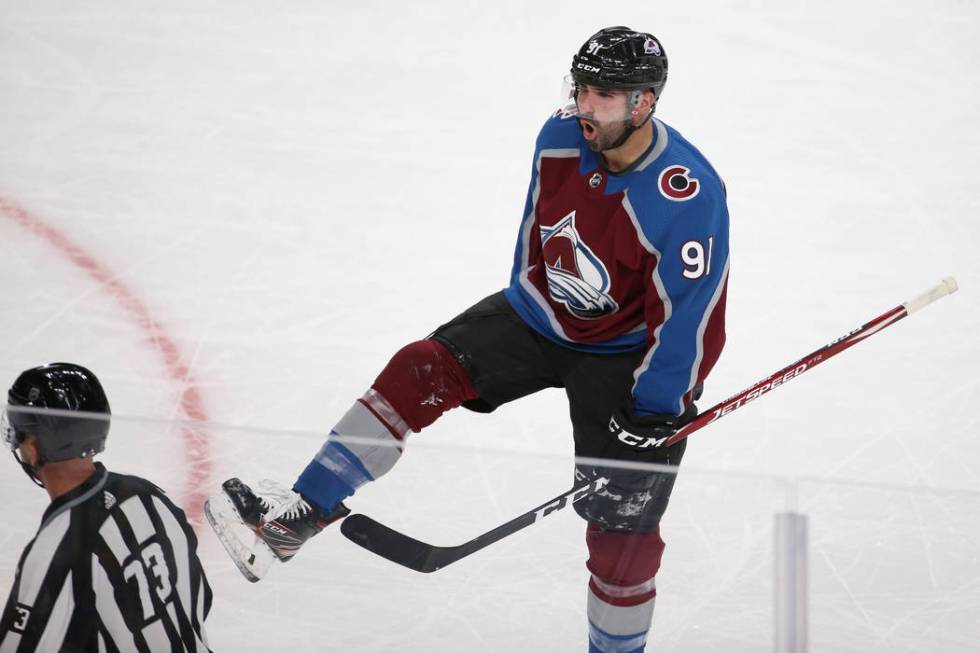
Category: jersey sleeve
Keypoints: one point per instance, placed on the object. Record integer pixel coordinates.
(527, 220)
(685, 297)
(41, 604)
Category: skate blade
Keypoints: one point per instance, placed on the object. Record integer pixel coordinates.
(251, 555)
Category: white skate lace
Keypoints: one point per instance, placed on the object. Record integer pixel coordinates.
(294, 509)
(282, 503)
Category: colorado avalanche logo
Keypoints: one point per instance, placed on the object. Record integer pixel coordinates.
(676, 183)
(576, 276)
(652, 47)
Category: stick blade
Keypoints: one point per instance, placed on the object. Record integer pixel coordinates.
(390, 544)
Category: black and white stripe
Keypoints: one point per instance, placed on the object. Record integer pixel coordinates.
(113, 567)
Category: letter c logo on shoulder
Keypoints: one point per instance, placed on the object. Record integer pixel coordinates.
(677, 184)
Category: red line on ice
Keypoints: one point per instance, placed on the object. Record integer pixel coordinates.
(195, 441)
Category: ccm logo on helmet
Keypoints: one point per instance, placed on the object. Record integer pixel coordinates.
(676, 183)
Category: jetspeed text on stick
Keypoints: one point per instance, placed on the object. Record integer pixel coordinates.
(757, 392)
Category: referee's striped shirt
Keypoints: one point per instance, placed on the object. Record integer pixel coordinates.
(113, 567)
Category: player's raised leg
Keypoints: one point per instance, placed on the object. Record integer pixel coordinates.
(421, 382)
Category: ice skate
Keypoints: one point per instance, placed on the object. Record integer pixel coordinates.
(257, 528)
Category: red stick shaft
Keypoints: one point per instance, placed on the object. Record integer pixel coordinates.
(810, 361)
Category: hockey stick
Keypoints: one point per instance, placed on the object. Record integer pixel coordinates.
(409, 552)
(808, 362)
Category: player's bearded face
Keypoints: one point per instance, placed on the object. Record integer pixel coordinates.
(603, 116)
(602, 136)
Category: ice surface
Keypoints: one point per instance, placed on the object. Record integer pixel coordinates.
(293, 192)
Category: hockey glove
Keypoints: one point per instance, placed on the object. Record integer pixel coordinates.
(642, 437)
(634, 499)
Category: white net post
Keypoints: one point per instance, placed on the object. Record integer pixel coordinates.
(790, 583)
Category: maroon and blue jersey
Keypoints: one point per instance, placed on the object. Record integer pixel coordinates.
(614, 262)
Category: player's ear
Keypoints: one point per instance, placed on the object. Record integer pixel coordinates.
(646, 102)
(649, 99)
(28, 450)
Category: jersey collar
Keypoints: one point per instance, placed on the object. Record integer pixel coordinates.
(80, 494)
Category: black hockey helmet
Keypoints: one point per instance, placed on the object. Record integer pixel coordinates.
(621, 58)
(40, 402)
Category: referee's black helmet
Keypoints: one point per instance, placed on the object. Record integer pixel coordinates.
(63, 406)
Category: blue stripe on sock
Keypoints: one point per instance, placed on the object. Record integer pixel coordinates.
(332, 476)
(602, 642)
(344, 463)
(594, 649)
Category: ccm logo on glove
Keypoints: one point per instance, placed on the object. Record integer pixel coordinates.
(645, 432)
(635, 441)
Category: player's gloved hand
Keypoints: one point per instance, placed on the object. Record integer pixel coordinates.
(642, 437)
(633, 499)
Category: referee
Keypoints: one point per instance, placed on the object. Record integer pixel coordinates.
(114, 565)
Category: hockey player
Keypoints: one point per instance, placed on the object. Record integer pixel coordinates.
(114, 564)
(617, 295)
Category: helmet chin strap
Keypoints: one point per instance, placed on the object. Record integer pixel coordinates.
(628, 131)
(31, 470)
(630, 127)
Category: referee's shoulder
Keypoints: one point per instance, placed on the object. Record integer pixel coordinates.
(127, 485)
(123, 487)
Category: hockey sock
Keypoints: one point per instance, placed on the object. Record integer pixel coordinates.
(622, 591)
(421, 382)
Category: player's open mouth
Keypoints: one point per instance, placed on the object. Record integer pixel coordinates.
(588, 130)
